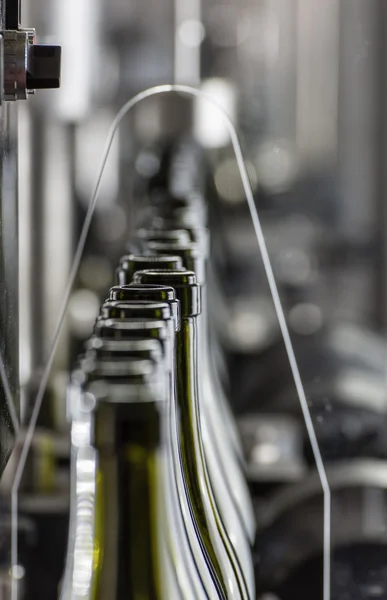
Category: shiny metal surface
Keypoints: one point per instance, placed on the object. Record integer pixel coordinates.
(16, 46)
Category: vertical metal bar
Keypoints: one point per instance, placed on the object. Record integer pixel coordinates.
(187, 55)
(35, 258)
(12, 14)
(380, 270)
(9, 280)
(280, 77)
(357, 121)
(317, 82)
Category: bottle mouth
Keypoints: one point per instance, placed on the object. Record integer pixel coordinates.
(131, 328)
(131, 261)
(105, 349)
(125, 310)
(148, 294)
(187, 289)
(130, 368)
(192, 255)
(135, 292)
(173, 277)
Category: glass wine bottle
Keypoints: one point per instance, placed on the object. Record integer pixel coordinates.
(209, 521)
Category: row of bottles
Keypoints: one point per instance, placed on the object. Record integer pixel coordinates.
(160, 508)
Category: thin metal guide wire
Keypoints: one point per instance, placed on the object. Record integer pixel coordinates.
(183, 89)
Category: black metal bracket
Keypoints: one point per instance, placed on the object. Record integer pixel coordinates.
(12, 14)
(27, 66)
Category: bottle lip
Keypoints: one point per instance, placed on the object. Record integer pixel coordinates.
(193, 255)
(123, 392)
(188, 291)
(128, 367)
(142, 309)
(128, 292)
(138, 259)
(132, 263)
(155, 327)
(129, 296)
(136, 347)
(175, 278)
(96, 343)
(134, 304)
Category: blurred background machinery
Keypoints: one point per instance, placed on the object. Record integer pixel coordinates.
(304, 84)
(304, 87)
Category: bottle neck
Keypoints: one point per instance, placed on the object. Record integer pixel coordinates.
(186, 366)
(128, 529)
(190, 437)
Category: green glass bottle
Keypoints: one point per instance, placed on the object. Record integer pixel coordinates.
(199, 554)
(117, 541)
(147, 293)
(105, 349)
(101, 365)
(213, 532)
(124, 273)
(129, 329)
(221, 473)
(216, 409)
(131, 554)
(219, 476)
(199, 234)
